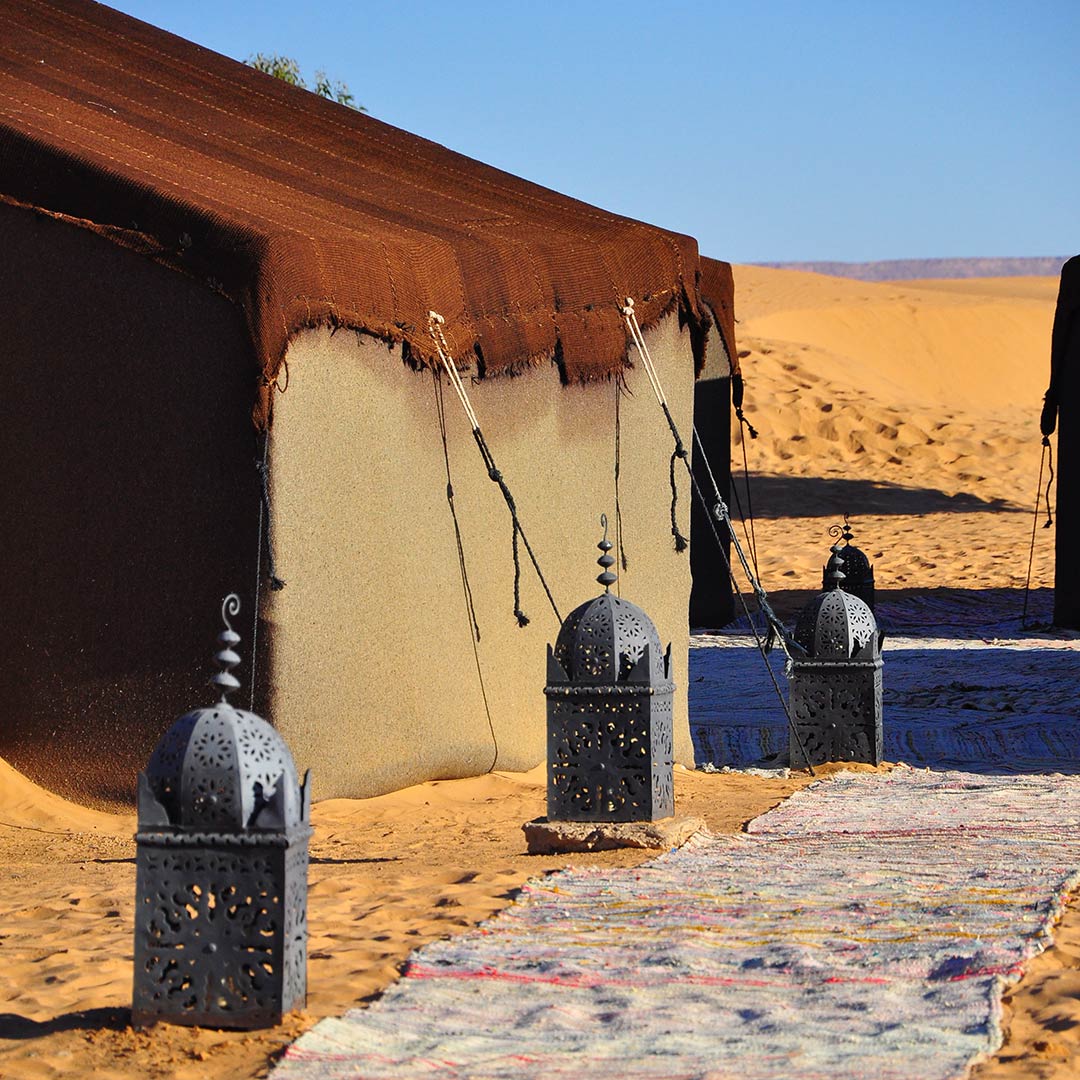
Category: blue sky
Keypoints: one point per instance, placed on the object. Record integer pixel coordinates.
(769, 130)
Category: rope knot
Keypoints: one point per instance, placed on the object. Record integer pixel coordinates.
(681, 451)
(743, 420)
(495, 475)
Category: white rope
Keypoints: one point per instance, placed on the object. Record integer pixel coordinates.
(639, 340)
(435, 325)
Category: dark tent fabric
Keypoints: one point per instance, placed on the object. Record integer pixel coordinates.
(1063, 411)
(306, 213)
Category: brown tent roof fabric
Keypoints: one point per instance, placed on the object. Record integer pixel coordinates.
(306, 213)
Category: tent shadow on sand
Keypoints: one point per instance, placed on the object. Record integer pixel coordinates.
(814, 496)
(978, 693)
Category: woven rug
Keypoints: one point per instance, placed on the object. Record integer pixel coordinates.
(863, 928)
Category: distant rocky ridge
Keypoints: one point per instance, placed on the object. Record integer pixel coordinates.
(908, 269)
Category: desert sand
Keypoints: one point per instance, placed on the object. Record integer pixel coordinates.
(911, 406)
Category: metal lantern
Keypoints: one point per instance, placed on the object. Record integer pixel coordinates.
(835, 684)
(609, 712)
(222, 856)
(858, 573)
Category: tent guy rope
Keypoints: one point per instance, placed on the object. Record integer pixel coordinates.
(435, 325)
(466, 587)
(718, 512)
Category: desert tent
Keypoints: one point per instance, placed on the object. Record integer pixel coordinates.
(215, 299)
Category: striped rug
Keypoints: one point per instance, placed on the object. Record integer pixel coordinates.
(864, 928)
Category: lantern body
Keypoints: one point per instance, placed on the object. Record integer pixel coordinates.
(221, 875)
(835, 686)
(609, 717)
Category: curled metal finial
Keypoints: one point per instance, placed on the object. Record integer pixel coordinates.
(230, 606)
(607, 578)
(843, 531)
(226, 657)
(834, 570)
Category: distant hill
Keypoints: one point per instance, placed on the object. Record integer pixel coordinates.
(908, 269)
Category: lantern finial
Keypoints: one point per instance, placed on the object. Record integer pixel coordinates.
(226, 658)
(834, 571)
(607, 578)
(843, 531)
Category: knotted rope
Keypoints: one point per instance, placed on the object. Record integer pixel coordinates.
(680, 451)
(435, 325)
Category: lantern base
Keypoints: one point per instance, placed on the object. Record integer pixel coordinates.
(546, 837)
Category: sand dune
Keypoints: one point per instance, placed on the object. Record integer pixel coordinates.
(916, 403)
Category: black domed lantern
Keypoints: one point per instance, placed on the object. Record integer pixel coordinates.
(858, 573)
(835, 682)
(609, 712)
(221, 868)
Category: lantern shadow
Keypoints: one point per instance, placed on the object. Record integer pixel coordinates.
(985, 697)
(813, 496)
(14, 1026)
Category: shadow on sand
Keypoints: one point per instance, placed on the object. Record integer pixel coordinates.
(965, 687)
(808, 496)
(14, 1026)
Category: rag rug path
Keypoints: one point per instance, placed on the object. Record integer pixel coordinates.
(865, 927)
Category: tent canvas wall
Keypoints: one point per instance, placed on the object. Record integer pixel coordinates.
(184, 237)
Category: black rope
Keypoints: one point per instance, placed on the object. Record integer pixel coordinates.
(752, 538)
(1049, 480)
(440, 408)
(679, 452)
(493, 472)
(742, 513)
(263, 470)
(618, 467)
(1035, 525)
(742, 420)
(718, 511)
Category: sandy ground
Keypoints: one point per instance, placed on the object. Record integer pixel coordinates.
(384, 880)
(911, 406)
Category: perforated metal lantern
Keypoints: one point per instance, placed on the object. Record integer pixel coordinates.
(835, 688)
(858, 572)
(609, 713)
(221, 868)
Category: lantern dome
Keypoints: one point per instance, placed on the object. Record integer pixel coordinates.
(222, 769)
(837, 625)
(602, 640)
